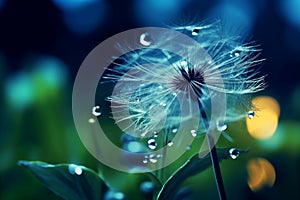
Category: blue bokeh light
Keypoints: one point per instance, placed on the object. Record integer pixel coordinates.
(157, 12)
(2, 2)
(20, 91)
(236, 17)
(290, 11)
(67, 5)
(52, 71)
(82, 16)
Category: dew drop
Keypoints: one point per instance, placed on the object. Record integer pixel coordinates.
(160, 87)
(91, 121)
(170, 143)
(221, 126)
(152, 143)
(174, 130)
(194, 133)
(145, 40)
(188, 147)
(96, 111)
(145, 161)
(75, 169)
(234, 153)
(195, 32)
(251, 114)
(236, 54)
(183, 63)
(153, 158)
(155, 134)
(162, 104)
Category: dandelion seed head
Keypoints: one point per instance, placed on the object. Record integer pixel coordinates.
(150, 80)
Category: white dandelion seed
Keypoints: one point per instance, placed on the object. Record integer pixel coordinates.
(152, 105)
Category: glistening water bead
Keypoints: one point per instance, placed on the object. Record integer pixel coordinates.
(144, 39)
(195, 32)
(194, 133)
(96, 111)
(170, 143)
(234, 153)
(153, 158)
(75, 169)
(251, 114)
(152, 144)
(221, 126)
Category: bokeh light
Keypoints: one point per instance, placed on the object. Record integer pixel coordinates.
(289, 10)
(265, 122)
(82, 16)
(72, 4)
(157, 12)
(20, 91)
(237, 16)
(2, 2)
(48, 74)
(261, 173)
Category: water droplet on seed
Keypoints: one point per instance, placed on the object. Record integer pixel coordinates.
(251, 114)
(145, 161)
(162, 104)
(152, 143)
(234, 153)
(194, 133)
(195, 32)
(183, 63)
(145, 40)
(221, 126)
(174, 130)
(96, 111)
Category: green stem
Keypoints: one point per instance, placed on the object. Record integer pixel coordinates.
(213, 156)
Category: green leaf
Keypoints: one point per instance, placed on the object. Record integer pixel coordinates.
(192, 167)
(68, 181)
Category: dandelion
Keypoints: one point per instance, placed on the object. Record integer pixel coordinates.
(153, 84)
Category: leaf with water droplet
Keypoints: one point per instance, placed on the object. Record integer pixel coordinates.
(68, 181)
(192, 167)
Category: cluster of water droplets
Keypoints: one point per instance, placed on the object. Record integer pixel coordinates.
(152, 158)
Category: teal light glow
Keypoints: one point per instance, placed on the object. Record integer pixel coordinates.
(20, 91)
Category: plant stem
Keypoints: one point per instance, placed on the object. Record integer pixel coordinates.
(213, 156)
(216, 167)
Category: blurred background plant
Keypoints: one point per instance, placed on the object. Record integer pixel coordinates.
(42, 44)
